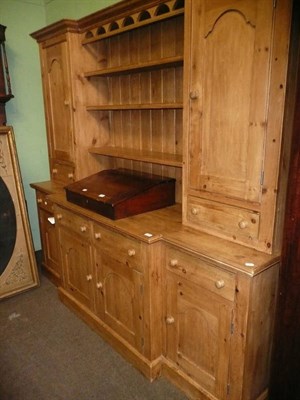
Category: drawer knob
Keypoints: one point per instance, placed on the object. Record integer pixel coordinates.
(70, 175)
(83, 228)
(194, 211)
(46, 203)
(89, 277)
(173, 262)
(39, 200)
(99, 285)
(243, 224)
(220, 283)
(97, 235)
(59, 216)
(54, 171)
(131, 252)
(170, 320)
(194, 94)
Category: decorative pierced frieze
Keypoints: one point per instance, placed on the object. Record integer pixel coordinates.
(134, 20)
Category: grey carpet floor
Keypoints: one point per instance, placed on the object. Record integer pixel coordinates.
(47, 353)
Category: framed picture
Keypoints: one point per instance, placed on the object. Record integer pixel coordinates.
(18, 269)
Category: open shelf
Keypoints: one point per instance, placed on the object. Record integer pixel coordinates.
(148, 156)
(140, 67)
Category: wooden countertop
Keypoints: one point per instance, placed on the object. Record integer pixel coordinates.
(166, 224)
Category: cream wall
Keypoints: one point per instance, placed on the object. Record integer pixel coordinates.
(25, 112)
(73, 9)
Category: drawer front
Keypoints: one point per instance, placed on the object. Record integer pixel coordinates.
(201, 273)
(72, 221)
(122, 248)
(228, 220)
(43, 202)
(62, 173)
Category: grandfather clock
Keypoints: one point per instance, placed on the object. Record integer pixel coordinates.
(5, 87)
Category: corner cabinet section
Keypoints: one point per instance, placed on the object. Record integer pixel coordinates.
(57, 69)
(236, 66)
(198, 320)
(217, 326)
(49, 241)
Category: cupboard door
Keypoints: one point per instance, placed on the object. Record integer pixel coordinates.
(77, 266)
(198, 332)
(58, 98)
(119, 298)
(50, 245)
(235, 76)
(228, 87)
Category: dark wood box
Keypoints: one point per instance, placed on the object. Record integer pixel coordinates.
(120, 193)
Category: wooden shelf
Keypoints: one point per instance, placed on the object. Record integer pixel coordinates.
(140, 67)
(148, 156)
(148, 106)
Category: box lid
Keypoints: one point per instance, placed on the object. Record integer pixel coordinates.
(114, 186)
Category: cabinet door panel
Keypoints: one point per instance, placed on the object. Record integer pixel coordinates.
(58, 99)
(119, 298)
(229, 84)
(77, 266)
(49, 243)
(198, 334)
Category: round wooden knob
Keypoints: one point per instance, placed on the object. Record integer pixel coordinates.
(131, 252)
(194, 210)
(243, 224)
(97, 235)
(170, 320)
(173, 262)
(39, 200)
(89, 277)
(220, 284)
(54, 171)
(194, 94)
(70, 175)
(66, 102)
(59, 216)
(99, 285)
(83, 228)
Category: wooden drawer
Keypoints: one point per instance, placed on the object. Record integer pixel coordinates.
(62, 173)
(122, 248)
(228, 220)
(43, 201)
(72, 221)
(201, 273)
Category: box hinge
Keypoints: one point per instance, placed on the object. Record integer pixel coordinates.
(274, 3)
